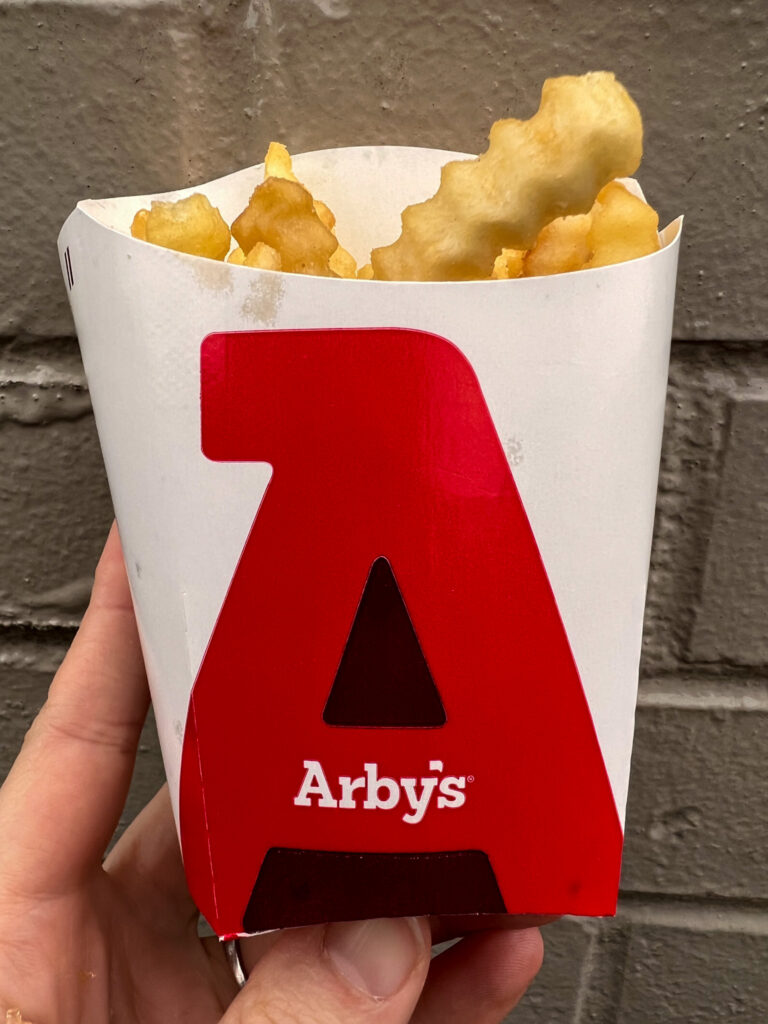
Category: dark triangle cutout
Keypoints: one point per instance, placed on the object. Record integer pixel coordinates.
(383, 679)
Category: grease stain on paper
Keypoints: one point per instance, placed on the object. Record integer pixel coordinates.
(213, 275)
(264, 300)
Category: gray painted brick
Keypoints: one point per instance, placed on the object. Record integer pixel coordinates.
(107, 99)
(160, 94)
(697, 816)
(22, 694)
(554, 995)
(700, 969)
(705, 380)
(732, 619)
(603, 976)
(54, 502)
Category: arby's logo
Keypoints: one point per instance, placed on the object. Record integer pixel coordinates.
(390, 601)
(376, 792)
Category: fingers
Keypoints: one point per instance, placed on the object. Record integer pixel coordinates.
(453, 926)
(146, 865)
(63, 797)
(337, 974)
(481, 978)
(365, 971)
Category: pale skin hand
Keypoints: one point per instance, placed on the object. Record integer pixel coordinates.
(115, 942)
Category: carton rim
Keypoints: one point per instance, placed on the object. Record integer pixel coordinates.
(672, 230)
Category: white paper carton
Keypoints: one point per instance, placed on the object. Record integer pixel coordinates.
(415, 669)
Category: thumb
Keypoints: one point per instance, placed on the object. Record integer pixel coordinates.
(345, 973)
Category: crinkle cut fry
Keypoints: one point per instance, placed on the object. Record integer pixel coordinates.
(586, 132)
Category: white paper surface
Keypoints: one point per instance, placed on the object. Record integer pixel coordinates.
(573, 368)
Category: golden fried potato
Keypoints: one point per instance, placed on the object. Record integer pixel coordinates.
(623, 227)
(562, 245)
(139, 225)
(325, 214)
(509, 263)
(586, 132)
(189, 225)
(365, 273)
(342, 263)
(277, 162)
(618, 227)
(281, 214)
(263, 256)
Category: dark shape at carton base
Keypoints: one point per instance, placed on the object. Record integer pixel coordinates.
(298, 887)
(383, 679)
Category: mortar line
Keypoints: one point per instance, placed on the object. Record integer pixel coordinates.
(585, 977)
(691, 672)
(694, 913)
(705, 695)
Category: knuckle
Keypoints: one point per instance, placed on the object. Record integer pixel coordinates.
(71, 728)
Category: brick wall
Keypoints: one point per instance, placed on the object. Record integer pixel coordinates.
(106, 98)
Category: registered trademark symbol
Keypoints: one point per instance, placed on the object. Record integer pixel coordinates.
(470, 778)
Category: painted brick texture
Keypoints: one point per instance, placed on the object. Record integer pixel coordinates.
(111, 98)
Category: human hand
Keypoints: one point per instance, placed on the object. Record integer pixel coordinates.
(87, 941)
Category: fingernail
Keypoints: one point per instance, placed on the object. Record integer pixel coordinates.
(375, 956)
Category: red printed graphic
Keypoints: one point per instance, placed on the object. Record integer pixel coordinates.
(389, 687)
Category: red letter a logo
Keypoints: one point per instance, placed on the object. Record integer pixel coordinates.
(390, 608)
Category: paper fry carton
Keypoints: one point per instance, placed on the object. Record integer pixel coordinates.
(388, 546)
